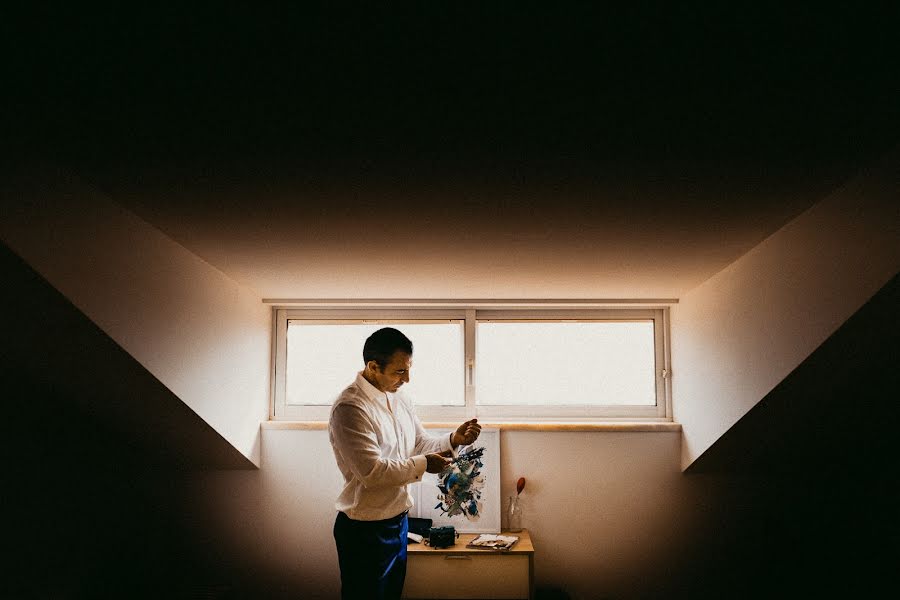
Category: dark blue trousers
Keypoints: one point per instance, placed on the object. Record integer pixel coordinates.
(372, 557)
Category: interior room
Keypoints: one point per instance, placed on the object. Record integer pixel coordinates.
(172, 177)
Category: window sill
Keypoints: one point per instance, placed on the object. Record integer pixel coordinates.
(610, 426)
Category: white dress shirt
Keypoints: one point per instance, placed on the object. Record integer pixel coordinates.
(378, 451)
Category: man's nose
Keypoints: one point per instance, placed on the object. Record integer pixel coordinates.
(406, 377)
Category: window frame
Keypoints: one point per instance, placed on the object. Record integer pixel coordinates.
(470, 315)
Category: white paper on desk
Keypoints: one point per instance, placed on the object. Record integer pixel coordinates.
(487, 540)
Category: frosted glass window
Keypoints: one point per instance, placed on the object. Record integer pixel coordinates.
(324, 358)
(560, 364)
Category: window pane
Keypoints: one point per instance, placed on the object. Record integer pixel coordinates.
(323, 359)
(538, 364)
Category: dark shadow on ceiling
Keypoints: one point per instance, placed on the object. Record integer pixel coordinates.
(133, 86)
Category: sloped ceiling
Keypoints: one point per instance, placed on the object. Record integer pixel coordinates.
(833, 414)
(579, 152)
(67, 378)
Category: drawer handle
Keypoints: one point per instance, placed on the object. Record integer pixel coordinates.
(455, 557)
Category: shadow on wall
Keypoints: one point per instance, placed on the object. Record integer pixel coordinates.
(802, 495)
(550, 593)
(93, 508)
(95, 512)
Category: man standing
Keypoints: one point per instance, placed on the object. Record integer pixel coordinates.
(381, 447)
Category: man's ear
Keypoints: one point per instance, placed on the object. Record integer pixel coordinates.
(372, 365)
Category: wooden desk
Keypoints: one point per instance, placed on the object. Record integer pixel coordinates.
(460, 572)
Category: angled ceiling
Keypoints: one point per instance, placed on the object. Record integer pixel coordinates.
(829, 414)
(443, 153)
(83, 390)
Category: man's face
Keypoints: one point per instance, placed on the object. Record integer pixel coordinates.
(394, 374)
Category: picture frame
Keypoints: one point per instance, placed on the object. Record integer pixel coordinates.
(426, 493)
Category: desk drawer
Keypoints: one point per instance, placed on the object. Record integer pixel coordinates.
(469, 575)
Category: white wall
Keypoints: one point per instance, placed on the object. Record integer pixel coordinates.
(740, 333)
(201, 334)
(605, 509)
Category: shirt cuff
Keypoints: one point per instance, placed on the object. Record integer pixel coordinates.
(420, 463)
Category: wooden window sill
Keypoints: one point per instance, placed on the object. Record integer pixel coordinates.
(609, 426)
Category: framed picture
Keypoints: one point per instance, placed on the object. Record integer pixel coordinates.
(473, 507)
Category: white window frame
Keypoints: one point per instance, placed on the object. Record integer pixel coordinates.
(471, 315)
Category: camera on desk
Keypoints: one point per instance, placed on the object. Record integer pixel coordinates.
(442, 537)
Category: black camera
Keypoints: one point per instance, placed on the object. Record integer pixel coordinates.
(442, 537)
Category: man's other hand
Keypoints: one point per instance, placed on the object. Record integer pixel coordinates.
(436, 463)
(466, 433)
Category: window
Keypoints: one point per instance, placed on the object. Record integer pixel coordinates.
(534, 363)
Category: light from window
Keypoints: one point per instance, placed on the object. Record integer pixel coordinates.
(511, 363)
(323, 358)
(565, 363)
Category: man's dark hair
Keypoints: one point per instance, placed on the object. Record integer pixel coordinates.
(382, 344)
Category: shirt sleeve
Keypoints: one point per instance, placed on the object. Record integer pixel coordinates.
(356, 440)
(428, 444)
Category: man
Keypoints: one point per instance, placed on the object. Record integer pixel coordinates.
(381, 447)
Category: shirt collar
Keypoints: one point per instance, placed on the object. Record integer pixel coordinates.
(371, 392)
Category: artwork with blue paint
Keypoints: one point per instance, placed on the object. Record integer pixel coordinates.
(461, 485)
(465, 495)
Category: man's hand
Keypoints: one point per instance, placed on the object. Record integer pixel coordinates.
(466, 433)
(436, 463)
